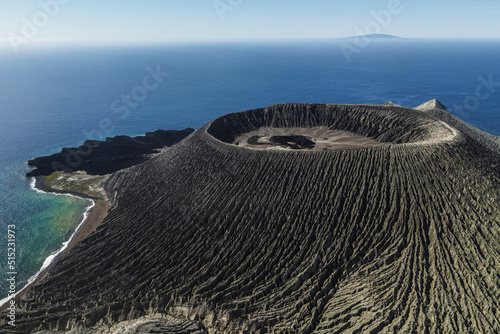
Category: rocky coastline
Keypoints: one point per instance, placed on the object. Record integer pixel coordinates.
(104, 157)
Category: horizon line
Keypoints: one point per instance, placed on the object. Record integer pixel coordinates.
(62, 42)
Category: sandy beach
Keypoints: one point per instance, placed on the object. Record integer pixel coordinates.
(96, 216)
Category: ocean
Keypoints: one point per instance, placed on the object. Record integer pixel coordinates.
(52, 98)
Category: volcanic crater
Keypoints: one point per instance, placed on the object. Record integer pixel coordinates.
(324, 127)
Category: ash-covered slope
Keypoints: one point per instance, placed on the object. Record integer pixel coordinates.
(403, 237)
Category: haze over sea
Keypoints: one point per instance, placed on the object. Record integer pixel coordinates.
(58, 97)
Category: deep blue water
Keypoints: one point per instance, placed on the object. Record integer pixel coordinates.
(54, 98)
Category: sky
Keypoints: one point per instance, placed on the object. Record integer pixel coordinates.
(159, 21)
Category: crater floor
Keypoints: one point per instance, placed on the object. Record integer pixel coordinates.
(322, 138)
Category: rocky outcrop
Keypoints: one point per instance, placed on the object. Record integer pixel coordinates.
(438, 110)
(430, 105)
(397, 238)
(104, 157)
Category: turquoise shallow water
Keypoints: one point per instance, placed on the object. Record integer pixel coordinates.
(42, 222)
(54, 98)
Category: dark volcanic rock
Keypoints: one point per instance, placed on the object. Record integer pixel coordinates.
(254, 140)
(294, 142)
(104, 157)
(399, 238)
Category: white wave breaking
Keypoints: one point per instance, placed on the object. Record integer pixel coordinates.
(52, 257)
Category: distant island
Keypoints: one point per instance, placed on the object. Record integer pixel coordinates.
(377, 36)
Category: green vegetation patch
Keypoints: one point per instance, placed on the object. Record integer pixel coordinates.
(78, 182)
